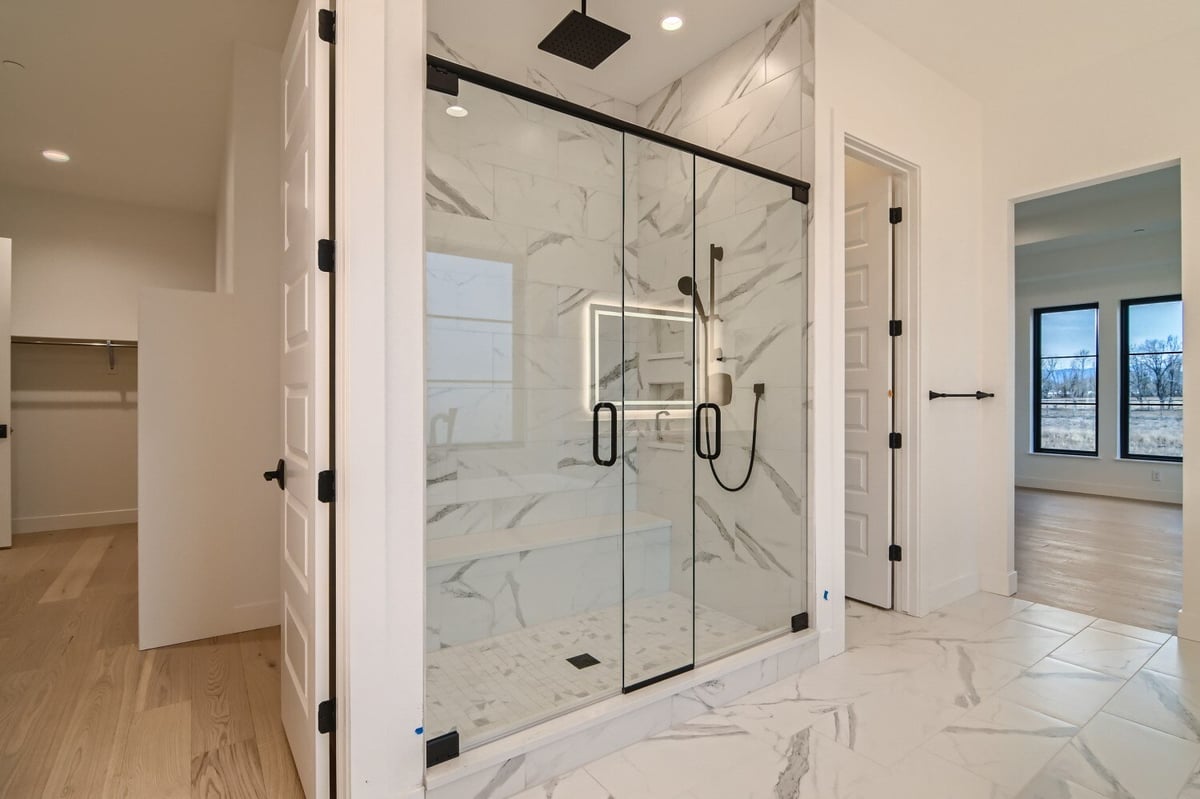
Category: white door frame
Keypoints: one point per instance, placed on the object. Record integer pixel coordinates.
(380, 604)
(906, 485)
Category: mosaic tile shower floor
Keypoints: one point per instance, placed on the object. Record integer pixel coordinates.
(494, 686)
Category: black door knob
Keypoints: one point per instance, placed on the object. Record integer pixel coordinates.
(279, 475)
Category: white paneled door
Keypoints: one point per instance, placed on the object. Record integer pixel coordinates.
(305, 394)
(5, 393)
(868, 384)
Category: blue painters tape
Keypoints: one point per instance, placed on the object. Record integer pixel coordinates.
(826, 595)
(419, 730)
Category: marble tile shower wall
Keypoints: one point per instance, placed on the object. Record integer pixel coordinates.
(753, 101)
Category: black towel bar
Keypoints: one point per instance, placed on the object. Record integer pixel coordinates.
(977, 395)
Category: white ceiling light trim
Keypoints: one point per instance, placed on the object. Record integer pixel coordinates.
(671, 22)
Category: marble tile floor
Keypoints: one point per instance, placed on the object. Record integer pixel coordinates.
(990, 698)
(500, 684)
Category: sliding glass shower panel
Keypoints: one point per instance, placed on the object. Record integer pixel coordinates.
(656, 377)
(524, 514)
(751, 561)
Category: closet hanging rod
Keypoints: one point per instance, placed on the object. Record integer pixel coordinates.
(76, 342)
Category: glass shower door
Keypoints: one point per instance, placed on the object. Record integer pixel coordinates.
(524, 492)
(657, 391)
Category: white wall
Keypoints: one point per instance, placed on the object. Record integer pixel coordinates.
(1077, 129)
(867, 88)
(1129, 268)
(78, 266)
(209, 538)
(79, 263)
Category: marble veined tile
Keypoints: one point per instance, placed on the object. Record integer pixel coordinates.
(926, 776)
(1002, 742)
(575, 785)
(886, 726)
(1119, 759)
(960, 678)
(1107, 652)
(1178, 658)
(1062, 690)
(1065, 621)
(1192, 789)
(1142, 634)
(1047, 786)
(986, 608)
(1017, 641)
(1160, 701)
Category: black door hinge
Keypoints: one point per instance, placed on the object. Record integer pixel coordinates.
(327, 26)
(894, 440)
(325, 486)
(895, 328)
(895, 215)
(327, 716)
(895, 553)
(799, 622)
(325, 252)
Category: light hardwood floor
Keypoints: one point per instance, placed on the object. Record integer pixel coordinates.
(1118, 559)
(83, 713)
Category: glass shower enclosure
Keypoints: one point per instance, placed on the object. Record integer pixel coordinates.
(615, 326)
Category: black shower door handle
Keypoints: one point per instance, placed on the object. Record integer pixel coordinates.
(612, 434)
(701, 430)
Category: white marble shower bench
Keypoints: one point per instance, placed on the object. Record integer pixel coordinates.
(491, 543)
(489, 583)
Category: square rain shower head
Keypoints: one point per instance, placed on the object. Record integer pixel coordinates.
(583, 40)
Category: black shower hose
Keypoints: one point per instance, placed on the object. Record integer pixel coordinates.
(753, 448)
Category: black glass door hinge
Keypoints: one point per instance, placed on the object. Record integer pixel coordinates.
(325, 255)
(895, 440)
(441, 749)
(800, 622)
(895, 215)
(895, 553)
(327, 716)
(327, 26)
(326, 491)
(895, 328)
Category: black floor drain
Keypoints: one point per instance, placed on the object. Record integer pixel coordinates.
(582, 661)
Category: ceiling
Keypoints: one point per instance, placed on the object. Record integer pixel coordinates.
(1117, 213)
(989, 47)
(136, 91)
(649, 61)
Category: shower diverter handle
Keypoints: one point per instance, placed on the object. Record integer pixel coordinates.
(612, 434)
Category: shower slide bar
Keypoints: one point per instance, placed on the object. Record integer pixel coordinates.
(443, 76)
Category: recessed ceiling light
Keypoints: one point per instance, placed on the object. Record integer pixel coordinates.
(457, 111)
(671, 23)
(57, 156)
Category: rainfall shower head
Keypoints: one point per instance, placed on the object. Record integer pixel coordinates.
(687, 287)
(583, 40)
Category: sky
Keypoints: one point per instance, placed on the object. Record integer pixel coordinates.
(1067, 332)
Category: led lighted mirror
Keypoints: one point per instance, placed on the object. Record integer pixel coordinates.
(650, 347)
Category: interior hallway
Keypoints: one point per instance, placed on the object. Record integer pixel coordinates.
(84, 713)
(991, 698)
(1118, 559)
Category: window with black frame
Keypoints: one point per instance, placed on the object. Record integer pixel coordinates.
(1152, 378)
(1065, 351)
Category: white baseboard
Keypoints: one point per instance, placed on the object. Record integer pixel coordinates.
(1102, 489)
(951, 591)
(73, 521)
(1002, 583)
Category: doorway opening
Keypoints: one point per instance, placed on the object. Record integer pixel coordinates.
(1099, 415)
(881, 327)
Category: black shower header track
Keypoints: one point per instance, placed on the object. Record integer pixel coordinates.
(443, 76)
